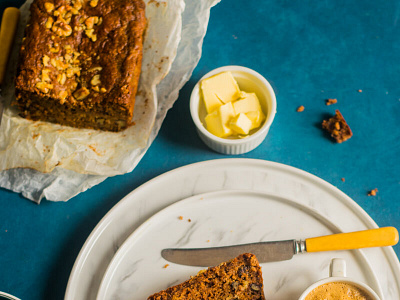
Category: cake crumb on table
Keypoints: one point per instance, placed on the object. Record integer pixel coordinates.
(300, 108)
(330, 101)
(373, 192)
(343, 179)
(337, 127)
(180, 218)
(189, 220)
(360, 91)
(166, 266)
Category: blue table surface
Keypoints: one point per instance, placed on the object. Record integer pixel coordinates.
(309, 52)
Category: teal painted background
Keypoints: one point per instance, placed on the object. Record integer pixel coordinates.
(309, 51)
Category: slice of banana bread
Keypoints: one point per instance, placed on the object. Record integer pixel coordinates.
(239, 278)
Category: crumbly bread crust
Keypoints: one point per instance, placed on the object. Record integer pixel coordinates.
(80, 62)
(239, 278)
(337, 127)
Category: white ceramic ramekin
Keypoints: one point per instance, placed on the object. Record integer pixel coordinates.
(248, 81)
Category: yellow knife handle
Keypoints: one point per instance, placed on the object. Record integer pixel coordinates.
(386, 236)
(8, 28)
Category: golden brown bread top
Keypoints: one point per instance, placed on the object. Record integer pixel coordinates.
(83, 51)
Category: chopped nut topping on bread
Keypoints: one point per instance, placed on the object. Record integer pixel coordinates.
(76, 68)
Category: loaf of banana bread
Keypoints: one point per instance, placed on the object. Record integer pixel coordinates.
(239, 278)
(80, 62)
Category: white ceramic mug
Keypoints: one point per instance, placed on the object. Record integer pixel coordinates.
(337, 273)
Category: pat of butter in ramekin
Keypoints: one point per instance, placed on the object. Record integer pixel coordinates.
(230, 112)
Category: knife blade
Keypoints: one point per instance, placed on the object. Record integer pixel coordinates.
(8, 29)
(283, 250)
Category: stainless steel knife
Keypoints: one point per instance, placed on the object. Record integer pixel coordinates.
(8, 29)
(283, 250)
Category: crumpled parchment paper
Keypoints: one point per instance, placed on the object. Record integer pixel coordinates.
(72, 160)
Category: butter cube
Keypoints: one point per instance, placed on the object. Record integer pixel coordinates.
(241, 124)
(217, 122)
(219, 89)
(249, 102)
(256, 118)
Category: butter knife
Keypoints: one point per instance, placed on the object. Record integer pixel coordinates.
(283, 250)
(8, 29)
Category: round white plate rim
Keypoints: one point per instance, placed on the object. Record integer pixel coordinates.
(247, 163)
(126, 246)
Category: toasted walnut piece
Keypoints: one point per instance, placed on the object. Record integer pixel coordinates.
(93, 3)
(44, 87)
(49, 23)
(81, 94)
(90, 34)
(70, 73)
(45, 60)
(74, 85)
(60, 65)
(91, 21)
(45, 75)
(62, 29)
(63, 95)
(55, 50)
(95, 80)
(68, 20)
(68, 15)
(103, 90)
(49, 6)
(77, 4)
(63, 78)
(68, 58)
(60, 12)
(95, 69)
(74, 11)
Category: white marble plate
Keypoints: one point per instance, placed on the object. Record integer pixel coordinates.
(219, 219)
(230, 174)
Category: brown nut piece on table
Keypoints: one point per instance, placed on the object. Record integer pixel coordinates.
(337, 127)
(330, 101)
(373, 192)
